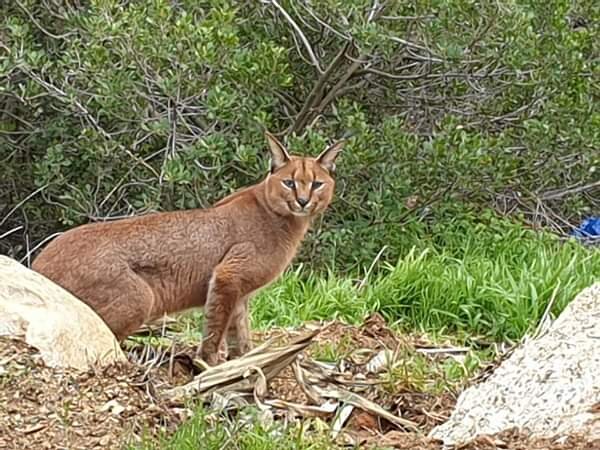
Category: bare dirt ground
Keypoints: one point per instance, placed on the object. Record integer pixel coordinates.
(43, 408)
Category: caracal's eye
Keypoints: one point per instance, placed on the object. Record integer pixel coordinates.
(289, 183)
(317, 184)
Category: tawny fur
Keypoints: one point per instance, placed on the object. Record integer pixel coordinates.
(135, 270)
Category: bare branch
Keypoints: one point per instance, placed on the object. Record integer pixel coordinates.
(373, 10)
(425, 17)
(38, 245)
(393, 76)
(558, 193)
(314, 96)
(325, 24)
(416, 46)
(22, 202)
(333, 91)
(9, 232)
(298, 30)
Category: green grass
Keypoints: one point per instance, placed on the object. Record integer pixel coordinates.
(415, 372)
(333, 351)
(493, 281)
(250, 433)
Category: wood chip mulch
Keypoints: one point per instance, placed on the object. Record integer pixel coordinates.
(45, 408)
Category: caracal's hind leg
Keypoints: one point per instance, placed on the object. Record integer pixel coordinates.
(128, 303)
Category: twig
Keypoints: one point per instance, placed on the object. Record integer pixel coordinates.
(39, 26)
(9, 232)
(413, 45)
(394, 76)
(323, 23)
(430, 16)
(295, 26)
(373, 11)
(38, 245)
(62, 96)
(203, 167)
(18, 205)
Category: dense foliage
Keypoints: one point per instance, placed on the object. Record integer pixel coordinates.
(114, 107)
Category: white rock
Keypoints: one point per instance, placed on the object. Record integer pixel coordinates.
(66, 331)
(546, 387)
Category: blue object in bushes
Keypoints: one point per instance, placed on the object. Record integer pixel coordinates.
(589, 228)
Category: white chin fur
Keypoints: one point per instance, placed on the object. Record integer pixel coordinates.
(301, 213)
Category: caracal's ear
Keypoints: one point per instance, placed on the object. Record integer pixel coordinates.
(328, 157)
(279, 155)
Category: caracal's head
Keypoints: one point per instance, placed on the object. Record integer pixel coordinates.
(300, 186)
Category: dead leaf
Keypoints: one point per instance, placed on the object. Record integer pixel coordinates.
(361, 402)
(340, 419)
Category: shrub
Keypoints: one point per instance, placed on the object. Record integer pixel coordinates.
(109, 108)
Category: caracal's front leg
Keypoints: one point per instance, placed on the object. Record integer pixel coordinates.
(232, 280)
(239, 336)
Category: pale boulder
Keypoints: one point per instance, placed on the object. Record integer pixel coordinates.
(66, 331)
(548, 387)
